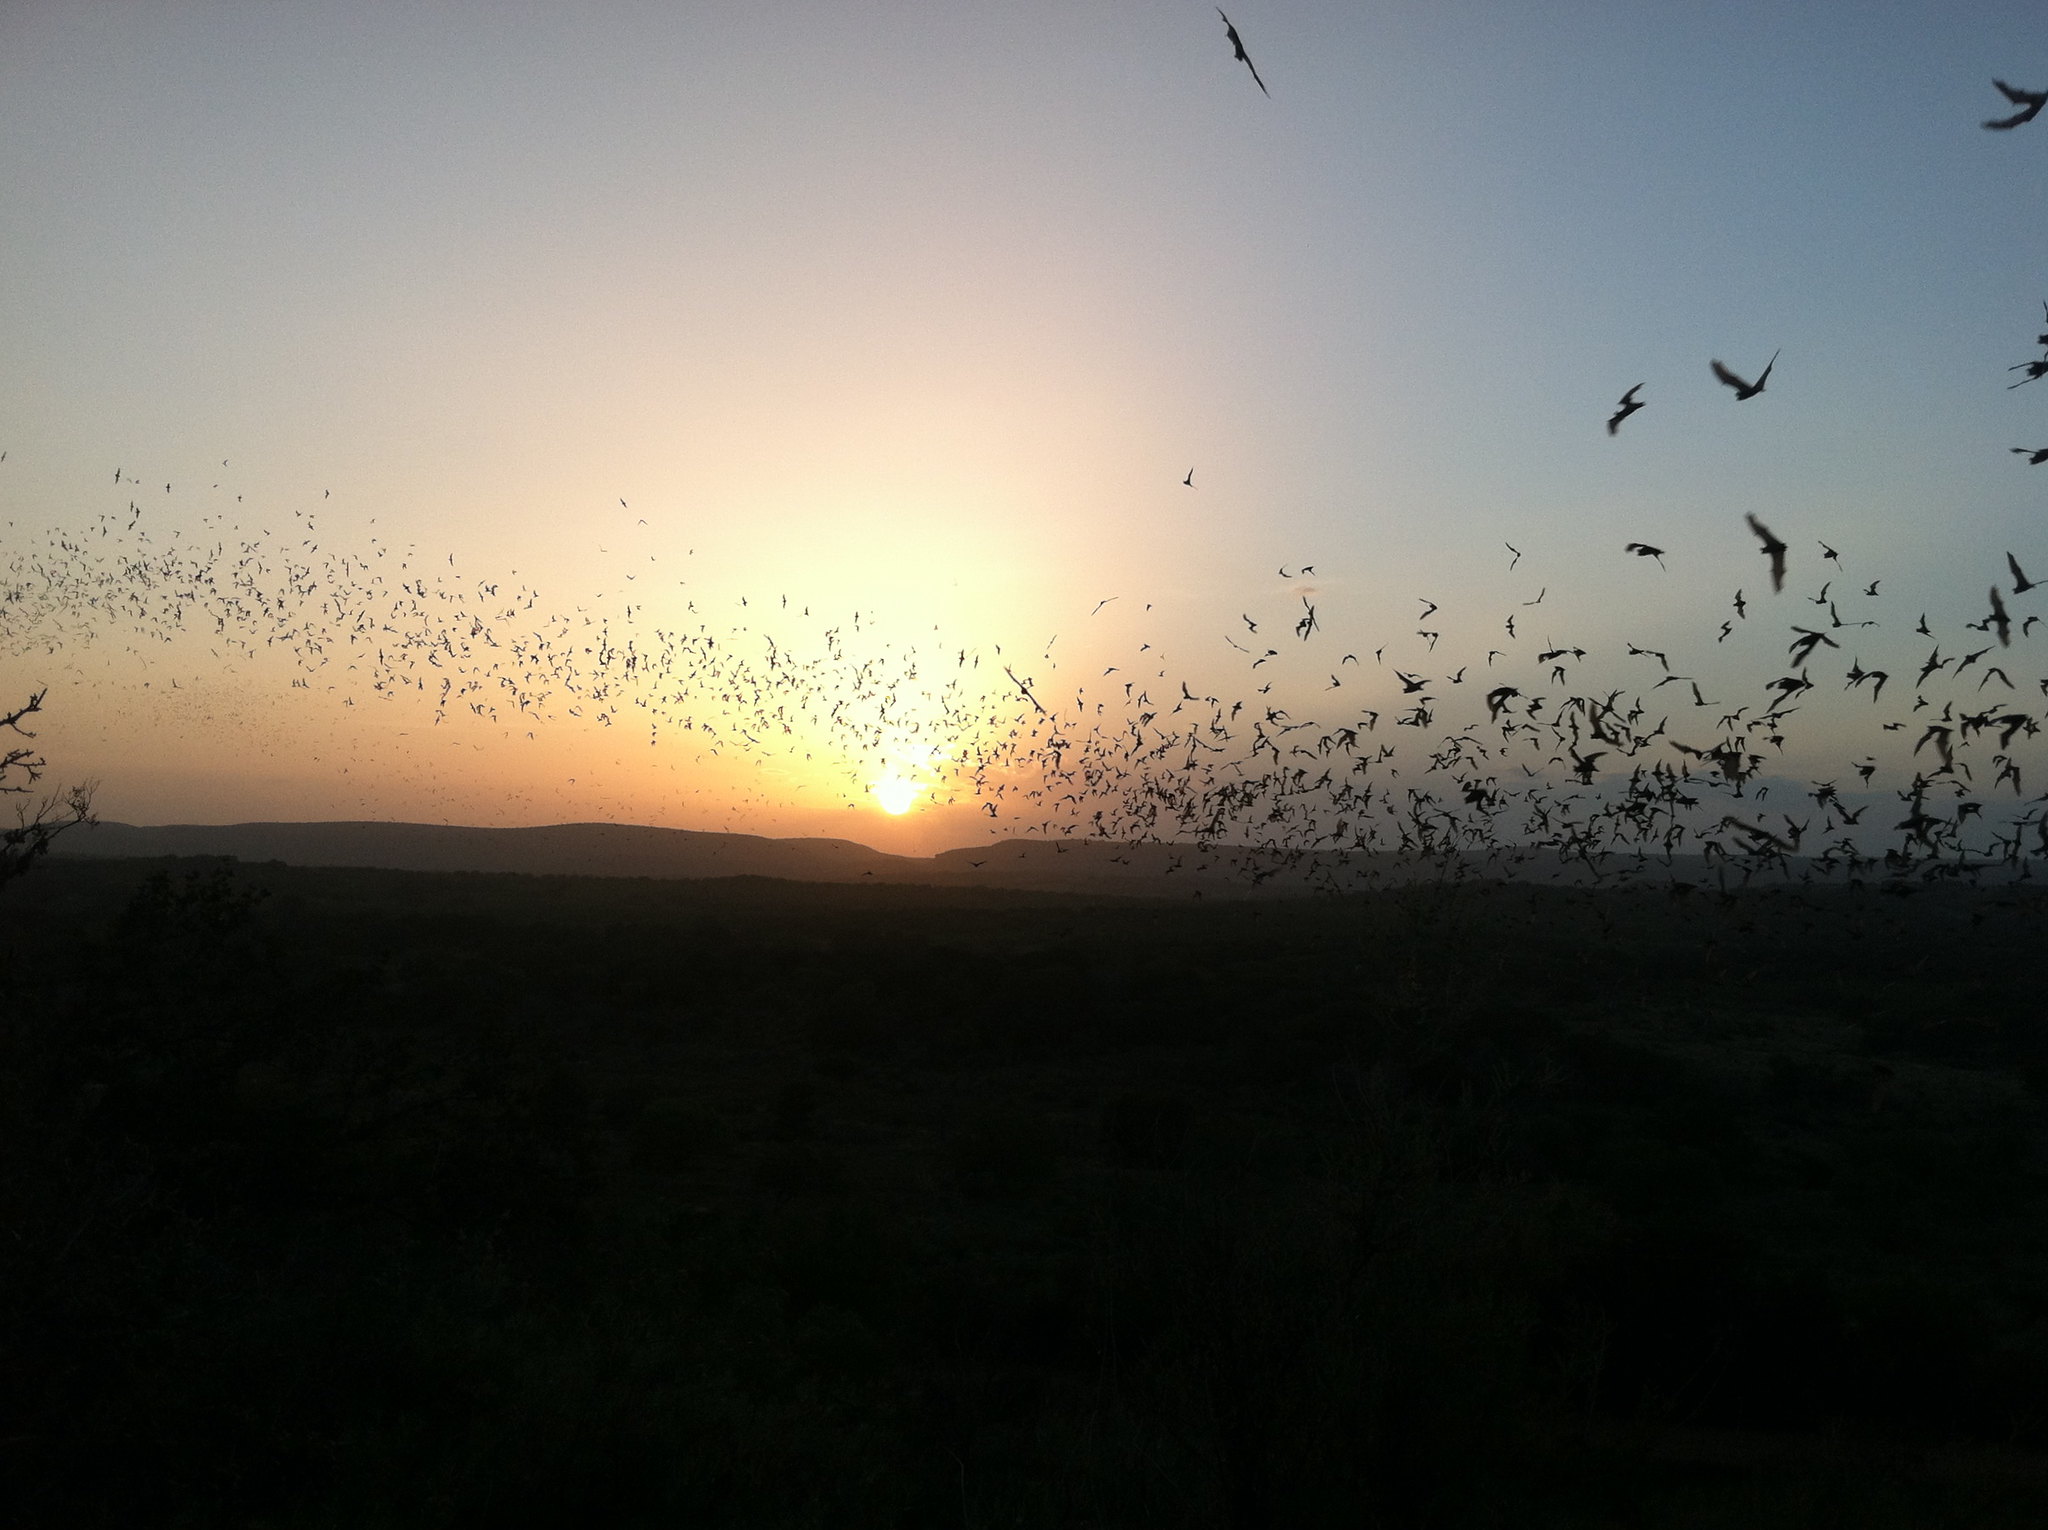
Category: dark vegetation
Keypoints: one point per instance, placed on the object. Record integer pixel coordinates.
(37, 823)
(351, 1198)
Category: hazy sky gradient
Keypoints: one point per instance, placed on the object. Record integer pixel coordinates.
(927, 310)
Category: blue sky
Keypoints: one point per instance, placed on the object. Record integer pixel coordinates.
(928, 314)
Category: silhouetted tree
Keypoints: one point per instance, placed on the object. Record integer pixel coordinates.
(21, 767)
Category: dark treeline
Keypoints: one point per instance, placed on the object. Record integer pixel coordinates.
(371, 1198)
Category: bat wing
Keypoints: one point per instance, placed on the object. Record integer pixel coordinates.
(1728, 377)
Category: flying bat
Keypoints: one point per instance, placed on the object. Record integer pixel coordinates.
(1998, 621)
(1245, 59)
(1645, 550)
(1743, 389)
(2030, 103)
(2035, 455)
(1629, 405)
(1773, 549)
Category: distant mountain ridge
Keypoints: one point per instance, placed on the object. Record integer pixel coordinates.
(563, 849)
(637, 850)
(1087, 867)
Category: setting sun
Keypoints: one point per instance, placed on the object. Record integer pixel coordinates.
(896, 794)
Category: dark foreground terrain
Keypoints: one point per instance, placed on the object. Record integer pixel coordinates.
(359, 1198)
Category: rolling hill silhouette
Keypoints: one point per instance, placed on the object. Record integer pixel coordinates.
(1080, 867)
(568, 849)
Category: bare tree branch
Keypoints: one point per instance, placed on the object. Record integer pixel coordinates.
(33, 832)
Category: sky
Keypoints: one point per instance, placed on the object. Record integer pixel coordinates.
(920, 317)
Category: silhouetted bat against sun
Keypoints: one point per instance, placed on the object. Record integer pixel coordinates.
(2030, 102)
(1629, 405)
(1773, 549)
(1645, 550)
(1743, 389)
(1244, 58)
